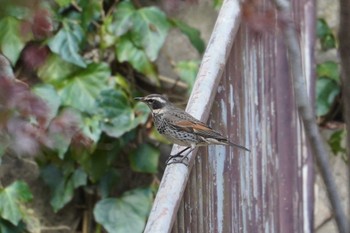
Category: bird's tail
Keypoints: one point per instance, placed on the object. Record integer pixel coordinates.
(237, 145)
(223, 141)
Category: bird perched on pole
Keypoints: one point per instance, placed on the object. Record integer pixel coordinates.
(181, 128)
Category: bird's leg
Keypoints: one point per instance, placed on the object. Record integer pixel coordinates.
(183, 157)
(179, 154)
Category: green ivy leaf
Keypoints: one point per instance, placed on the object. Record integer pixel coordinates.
(98, 163)
(150, 28)
(187, 71)
(322, 28)
(19, 10)
(11, 43)
(50, 96)
(141, 35)
(118, 114)
(55, 70)
(128, 52)
(108, 38)
(125, 214)
(11, 199)
(91, 11)
(325, 34)
(82, 88)
(192, 34)
(145, 159)
(328, 69)
(122, 19)
(79, 178)
(91, 128)
(120, 82)
(62, 185)
(335, 142)
(108, 181)
(117, 25)
(63, 3)
(67, 42)
(326, 90)
(328, 42)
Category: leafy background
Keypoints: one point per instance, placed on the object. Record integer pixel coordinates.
(328, 90)
(67, 85)
(68, 73)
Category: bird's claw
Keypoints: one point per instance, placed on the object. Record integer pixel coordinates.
(173, 159)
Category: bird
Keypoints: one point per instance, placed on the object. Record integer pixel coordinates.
(181, 128)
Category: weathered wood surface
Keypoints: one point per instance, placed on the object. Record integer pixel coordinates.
(270, 189)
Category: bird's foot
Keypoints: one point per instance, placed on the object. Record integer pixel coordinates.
(179, 157)
(173, 157)
(177, 160)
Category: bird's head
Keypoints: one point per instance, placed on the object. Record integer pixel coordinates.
(154, 101)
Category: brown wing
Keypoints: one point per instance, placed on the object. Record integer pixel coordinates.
(181, 120)
(198, 128)
(204, 131)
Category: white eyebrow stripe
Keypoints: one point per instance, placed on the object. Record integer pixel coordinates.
(158, 99)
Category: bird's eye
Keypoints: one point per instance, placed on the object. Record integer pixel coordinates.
(151, 100)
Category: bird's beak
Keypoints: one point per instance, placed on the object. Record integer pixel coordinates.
(138, 98)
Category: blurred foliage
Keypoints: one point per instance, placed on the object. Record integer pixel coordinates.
(70, 104)
(193, 35)
(187, 71)
(328, 73)
(217, 4)
(12, 199)
(115, 213)
(328, 85)
(325, 35)
(328, 88)
(335, 142)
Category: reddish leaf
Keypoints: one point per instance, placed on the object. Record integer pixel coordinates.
(34, 55)
(62, 131)
(42, 24)
(16, 96)
(80, 140)
(25, 137)
(67, 123)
